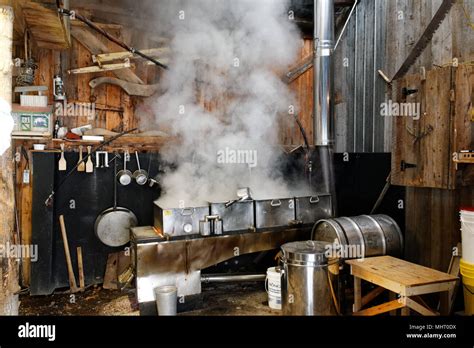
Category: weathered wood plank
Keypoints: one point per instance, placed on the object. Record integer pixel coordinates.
(24, 205)
(432, 224)
(45, 26)
(95, 46)
(45, 73)
(8, 267)
(430, 141)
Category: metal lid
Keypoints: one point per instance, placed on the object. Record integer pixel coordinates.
(306, 252)
(329, 231)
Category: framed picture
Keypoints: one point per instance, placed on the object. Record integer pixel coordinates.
(40, 123)
(25, 123)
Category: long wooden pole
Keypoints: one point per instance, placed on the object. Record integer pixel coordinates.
(8, 266)
(70, 269)
(80, 266)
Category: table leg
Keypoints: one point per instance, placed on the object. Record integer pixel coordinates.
(392, 297)
(357, 295)
(444, 303)
(405, 312)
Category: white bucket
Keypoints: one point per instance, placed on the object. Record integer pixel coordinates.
(467, 229)
(273, 287)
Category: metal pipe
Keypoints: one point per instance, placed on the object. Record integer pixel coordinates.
(101, 31)
(218, 278)
(323, 72)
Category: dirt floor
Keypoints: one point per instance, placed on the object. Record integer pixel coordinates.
(93, 302)
(219, 299)
(234, 300)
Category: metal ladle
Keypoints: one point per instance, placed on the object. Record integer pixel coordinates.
(125, 176)
(141, 175)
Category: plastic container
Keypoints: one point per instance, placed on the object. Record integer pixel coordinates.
(39, 147)
(467, 271)
(166, 300)
(467, 230)
(273, 287)
(35, 101)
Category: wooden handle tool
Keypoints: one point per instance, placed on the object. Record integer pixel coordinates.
(62, 161)
(89, 164)
(82, 164)
(70, 270)
(80, 265)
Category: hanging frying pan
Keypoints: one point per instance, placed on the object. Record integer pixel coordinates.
(112, 226)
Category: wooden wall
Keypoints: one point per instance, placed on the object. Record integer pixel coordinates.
(432, 221)
(359, 126)
(376, 39)
(444, 127)
(433, 224)
(115, 109)
(379, 38)
(302, 89)
(359, 89)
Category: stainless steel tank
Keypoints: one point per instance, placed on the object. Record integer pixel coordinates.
(308, 280)
(361, 236)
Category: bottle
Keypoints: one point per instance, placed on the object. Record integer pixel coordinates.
(56, 129)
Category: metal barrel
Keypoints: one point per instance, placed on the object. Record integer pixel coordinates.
(307, 285)
(361, 236)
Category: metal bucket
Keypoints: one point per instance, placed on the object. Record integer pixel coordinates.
(361, 236)
(308, 280)
(166, 300)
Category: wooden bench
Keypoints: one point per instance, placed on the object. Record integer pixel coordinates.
(402, 278)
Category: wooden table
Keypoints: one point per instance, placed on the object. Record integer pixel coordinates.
(402, 278)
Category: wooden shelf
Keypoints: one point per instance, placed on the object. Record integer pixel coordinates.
(464, 158)
(131, 143)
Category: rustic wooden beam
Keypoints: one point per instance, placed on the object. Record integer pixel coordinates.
(132, 89)
(8, 266)
(372, 296)
(95, 46)
(46, 26)
(156, 53)
(100, 69)
(380, 309)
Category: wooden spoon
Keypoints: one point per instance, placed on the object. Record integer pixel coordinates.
(82, 164)
(62, 161)
(89, 164)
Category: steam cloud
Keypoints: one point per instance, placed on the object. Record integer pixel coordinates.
(223, 93)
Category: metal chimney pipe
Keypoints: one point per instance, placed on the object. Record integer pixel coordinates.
(324, 40)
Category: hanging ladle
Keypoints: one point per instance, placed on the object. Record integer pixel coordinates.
(141, 175)
(125, 176)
